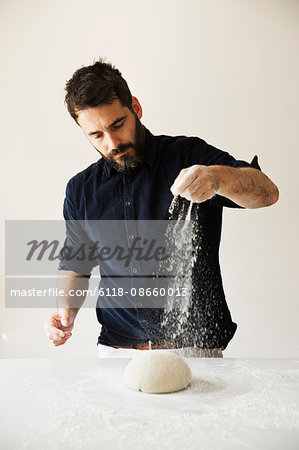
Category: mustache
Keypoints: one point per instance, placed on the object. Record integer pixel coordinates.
(121, 148)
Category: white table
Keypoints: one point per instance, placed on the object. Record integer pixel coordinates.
(83, 404)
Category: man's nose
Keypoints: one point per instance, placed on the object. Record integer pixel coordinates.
(112, 141)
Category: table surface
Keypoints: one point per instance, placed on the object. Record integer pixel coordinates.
(83, 404)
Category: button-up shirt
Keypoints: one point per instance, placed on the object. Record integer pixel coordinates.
(100, 193)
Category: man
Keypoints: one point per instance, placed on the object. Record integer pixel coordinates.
(136, 179)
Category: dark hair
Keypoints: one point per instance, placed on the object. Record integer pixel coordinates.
(94, 85)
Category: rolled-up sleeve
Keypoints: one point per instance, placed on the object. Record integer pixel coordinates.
(219, 200)
(200, 152)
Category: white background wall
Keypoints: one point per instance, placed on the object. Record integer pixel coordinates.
(224, 70)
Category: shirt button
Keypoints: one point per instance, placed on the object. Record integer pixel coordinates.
(150, 331)
(131, 236)
(139, 304)
(134, 270)
(128, 203)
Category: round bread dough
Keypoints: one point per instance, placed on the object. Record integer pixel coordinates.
(157, 372)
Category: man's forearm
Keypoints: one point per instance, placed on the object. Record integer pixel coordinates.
(74, 287)
(245, 186)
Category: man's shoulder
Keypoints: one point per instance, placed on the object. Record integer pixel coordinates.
(85, 175)
(178, 142)
(178, 149)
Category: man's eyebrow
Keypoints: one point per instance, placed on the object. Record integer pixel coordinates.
(119, 119)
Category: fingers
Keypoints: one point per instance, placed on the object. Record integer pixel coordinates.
(198, 195)
(57, 336)
(184, 180)
(61, 341)
(195, 184)
(55, 331)
(67, 317)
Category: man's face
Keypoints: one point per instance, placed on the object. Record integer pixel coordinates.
(115, 132)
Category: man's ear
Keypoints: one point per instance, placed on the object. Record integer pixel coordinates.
(137, 107)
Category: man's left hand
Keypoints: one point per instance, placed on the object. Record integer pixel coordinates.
(196, 183)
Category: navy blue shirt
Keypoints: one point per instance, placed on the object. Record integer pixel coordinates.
(101, 193)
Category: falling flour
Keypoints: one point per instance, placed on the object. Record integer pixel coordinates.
(194, 312)
(180, 239)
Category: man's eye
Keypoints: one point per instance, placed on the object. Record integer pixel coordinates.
(118, 125)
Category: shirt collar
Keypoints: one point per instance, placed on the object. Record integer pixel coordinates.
(150, 150)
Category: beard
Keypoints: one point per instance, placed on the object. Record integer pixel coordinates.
(127, 162)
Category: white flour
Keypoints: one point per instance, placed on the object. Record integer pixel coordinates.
(180, 237)
(82, 404)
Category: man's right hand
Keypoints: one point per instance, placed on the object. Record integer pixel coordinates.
(58, 326)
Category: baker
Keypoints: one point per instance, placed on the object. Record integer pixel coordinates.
(136, 179)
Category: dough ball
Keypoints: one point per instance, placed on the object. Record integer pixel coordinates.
(157, 372)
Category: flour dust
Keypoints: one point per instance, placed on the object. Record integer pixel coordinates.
(182, 237)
